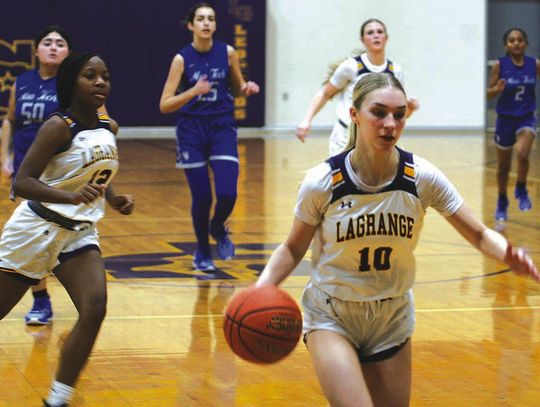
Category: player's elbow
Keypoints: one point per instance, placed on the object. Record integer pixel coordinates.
(164, 107)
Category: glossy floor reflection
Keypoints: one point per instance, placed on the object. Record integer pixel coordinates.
(477, 341)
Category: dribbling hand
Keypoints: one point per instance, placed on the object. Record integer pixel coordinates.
(520, 262)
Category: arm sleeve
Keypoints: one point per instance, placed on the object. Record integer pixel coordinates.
(344, 73)
(314, 195)
(436, 190)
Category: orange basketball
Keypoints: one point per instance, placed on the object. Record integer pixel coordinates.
(262, 324)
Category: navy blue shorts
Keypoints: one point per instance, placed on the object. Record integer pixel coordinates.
(204, 138)
(507, 128)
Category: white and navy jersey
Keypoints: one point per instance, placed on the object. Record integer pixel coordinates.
(349, 72)
(213, 64)
(363, 246)
(35, 100)
(92, 157)
(518, 98)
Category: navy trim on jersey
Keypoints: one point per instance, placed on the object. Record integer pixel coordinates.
(76, 127)
(342, 184)
(364, 69)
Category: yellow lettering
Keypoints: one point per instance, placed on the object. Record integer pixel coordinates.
(239, 30)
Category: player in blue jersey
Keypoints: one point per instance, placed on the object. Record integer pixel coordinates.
(342, 78)
(65, 179)
(32, 99)
(202, 79)
(362, 213)
(513, 80)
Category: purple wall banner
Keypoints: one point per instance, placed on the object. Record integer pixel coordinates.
(137, 41)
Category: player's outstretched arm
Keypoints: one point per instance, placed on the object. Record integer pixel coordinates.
(492, 244)
(288, 254)
(318, 102)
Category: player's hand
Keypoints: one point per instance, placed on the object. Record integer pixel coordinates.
(302, 131)
(412, 105)
(249, 88)
(87, 194)
(203, 86)
(7, 170)
(500, 85)
(520, 262)
(122, 203)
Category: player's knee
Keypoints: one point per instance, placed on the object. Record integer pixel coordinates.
(94, 309)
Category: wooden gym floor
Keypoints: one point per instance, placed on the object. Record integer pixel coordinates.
(477, 341)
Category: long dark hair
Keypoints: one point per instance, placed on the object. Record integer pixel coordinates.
(68, 71)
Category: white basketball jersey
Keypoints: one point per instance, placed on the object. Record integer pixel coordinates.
(363, 247)
(349, 72)
(92, 157)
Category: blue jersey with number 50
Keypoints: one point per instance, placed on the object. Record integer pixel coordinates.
(214, 65)
(518, 98)
(35, 100)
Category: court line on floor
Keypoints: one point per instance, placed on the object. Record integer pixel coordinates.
(188, 316)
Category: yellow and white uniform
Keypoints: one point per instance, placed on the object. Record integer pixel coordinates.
(362, 262)
(38, 233)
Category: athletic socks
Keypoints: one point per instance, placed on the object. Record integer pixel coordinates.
(60, 394)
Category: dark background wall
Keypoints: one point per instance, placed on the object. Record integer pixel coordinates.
(137, 39)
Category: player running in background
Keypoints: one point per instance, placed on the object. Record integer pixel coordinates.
(32, 99)
(342, 79)
(513, 80)
(201, 78)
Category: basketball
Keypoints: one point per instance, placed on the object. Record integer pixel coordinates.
(262, 324)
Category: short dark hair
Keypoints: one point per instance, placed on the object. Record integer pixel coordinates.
(68, 71)
(53, 28)
(190, 16)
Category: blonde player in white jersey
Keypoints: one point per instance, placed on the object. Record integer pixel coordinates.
(66, 178)
(342, 79)
(363, 210)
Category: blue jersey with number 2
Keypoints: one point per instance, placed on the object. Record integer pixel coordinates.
(518, 98)
(213, 64)
(35, 100)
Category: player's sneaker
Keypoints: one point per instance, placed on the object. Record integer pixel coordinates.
(501, 214)
(522, 196)
(202, 263)
(225, 247)
(41, 312)
(45, 404)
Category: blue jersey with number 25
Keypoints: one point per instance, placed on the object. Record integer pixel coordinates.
(213, 64)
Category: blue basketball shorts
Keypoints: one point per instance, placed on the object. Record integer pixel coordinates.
(204, 138)
(507, 128)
